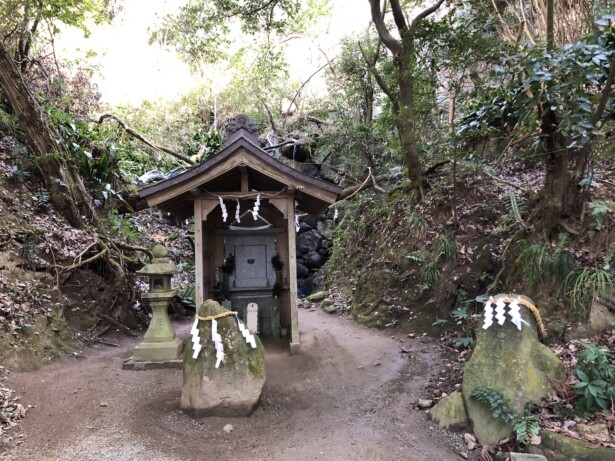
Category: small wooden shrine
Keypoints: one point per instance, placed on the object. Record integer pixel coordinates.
(245, 204)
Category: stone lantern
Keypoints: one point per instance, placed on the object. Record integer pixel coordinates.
(159, 348)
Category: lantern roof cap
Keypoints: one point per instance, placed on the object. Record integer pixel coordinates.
(160, 264)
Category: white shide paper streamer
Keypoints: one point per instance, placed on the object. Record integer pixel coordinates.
(217, 339)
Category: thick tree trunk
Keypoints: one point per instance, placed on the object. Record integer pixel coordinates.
(405, 123)
(66, 190)
(560, 194)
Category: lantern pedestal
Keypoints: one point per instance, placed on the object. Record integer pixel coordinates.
(159, 348)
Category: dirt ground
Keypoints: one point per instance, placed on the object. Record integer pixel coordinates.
(349, 395)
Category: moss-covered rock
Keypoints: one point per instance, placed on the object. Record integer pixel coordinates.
(558, 447)
(318, 296)
(235, 388)
(450, 413)
(513, 363)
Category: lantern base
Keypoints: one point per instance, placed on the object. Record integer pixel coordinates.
(149, 356)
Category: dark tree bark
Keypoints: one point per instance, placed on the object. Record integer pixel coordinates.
(66, 190)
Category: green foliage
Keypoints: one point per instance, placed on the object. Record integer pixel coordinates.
(446, 249)
(564, 81)
(541, 263)
(203, 144)
(17, 17)
(122, 227)
(599, 209)
(515, 214)
(430, 275)
(417, 225)
(584, 286)
(416, 256)
(525, 427)
(200, 30)
(596, 386)
(498, 407)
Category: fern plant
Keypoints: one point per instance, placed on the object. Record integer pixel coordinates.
(525, 427)
(498, 407)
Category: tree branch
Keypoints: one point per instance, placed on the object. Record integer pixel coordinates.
(140, 137)
(398, 16)
(379, 80)
(301, 88)
(389, 41)
(426, 12)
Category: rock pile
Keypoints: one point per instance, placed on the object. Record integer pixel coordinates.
(314, 242)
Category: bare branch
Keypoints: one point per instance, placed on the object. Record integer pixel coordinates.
(426, 12)
(301, 88)
(140, 137)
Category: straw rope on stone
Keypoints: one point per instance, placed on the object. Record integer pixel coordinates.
(513, 302)
(216, 337)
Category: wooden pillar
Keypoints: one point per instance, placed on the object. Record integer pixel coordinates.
(198, 254)
(295, 341)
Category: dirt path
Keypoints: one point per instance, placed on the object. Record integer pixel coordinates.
(347, 396)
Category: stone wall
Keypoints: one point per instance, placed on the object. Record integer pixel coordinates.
(314, 242)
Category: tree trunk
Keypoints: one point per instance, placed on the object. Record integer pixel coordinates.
(66, 190)
(405, 122)
(560, 193)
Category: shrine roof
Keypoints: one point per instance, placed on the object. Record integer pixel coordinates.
(222, 175)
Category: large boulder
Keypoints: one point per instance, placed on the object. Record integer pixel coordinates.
(513, 363)
(302, 271)
(304, 227)
(233, 389)
(308, 241)
(326, 228)
(313, 259)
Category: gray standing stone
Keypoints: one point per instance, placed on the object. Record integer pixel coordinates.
(308, 241)
(513, 363)
(235, 388)
(326, 228)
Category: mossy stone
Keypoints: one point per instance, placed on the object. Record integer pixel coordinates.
(450, 412)
(235, 388)
(513, 363)
(562, 448)
(318, 296)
